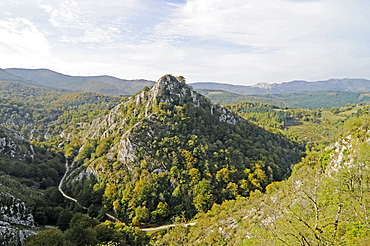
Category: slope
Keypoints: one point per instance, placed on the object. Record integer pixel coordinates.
(24, 169)
(169, 150)
(324, 202)
(40, 113)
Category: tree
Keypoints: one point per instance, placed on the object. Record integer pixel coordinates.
(64, 218)
(46, 238)
(142, 214)
(78, 235)
(203, 197)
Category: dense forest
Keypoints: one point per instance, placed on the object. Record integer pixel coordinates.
(251, 173)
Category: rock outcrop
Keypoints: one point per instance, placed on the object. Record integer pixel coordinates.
(167, 90)
(16, 221)
(13, 145)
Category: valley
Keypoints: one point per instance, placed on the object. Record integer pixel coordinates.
(272, 169)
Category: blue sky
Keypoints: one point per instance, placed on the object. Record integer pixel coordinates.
(230, 41)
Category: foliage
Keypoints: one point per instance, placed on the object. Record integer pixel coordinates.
(267, 115)
(314, 128)
(46, 238)
(317, 205)
(84, 230)
(42, 114)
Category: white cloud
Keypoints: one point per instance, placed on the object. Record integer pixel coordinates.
(238, 41)
(261, 24)
(279, 39)
(20, 39)
(82, 21)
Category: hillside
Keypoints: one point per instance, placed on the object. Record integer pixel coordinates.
(324, 202)
(317, 99)
(314, 127)
(349, 85)
(40, 113)
(30, 202)
(24, 169)
(101, 84)
(169, 151)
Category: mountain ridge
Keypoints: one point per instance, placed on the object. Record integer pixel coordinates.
(101, 84)
(116, 86)
(350, 85)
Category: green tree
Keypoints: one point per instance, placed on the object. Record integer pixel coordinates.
(203, 197)
(64, 218)
(142, 215)
(46, 238)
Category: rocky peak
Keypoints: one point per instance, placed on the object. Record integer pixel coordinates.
(170, 90)
(123, 121)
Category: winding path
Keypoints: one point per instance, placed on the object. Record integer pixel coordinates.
(107, 214)
(74, 199)
(61, 184)
(167, 226)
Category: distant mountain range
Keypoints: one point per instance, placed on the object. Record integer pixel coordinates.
(306, 99)
(53, 80)
(116, 86)
(350, 85)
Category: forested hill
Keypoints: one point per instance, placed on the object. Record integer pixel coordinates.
(6, 76)
(169, 151)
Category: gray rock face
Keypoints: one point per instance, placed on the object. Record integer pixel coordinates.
(13, 236)
(14, 218)
(344, 153)
(13, 145)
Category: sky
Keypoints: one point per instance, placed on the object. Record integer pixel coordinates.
(229, 41)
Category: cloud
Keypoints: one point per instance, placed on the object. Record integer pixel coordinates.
(236, 41)
(279, 39)
(86, 21)
(268, 24)
(21, 39)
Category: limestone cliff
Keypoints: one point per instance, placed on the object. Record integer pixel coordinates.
(168, 90)
(16, 221)
(13, 145)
